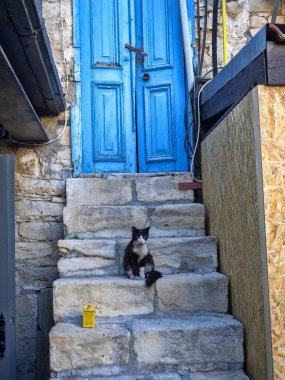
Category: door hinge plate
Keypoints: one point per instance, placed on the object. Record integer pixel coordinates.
(2, 336)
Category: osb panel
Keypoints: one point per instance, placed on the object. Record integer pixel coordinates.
(231, 202)
(272, 132)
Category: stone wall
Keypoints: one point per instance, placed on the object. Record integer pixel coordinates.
(41, 171)
(244, 19)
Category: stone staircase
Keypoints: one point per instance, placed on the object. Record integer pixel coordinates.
(176, 329)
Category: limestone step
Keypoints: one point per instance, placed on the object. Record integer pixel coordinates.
(120, 296)
(122, 189)
(196, 343)
(116, 221)
(220, 375)
(87, 257)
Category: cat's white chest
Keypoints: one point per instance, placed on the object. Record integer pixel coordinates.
(141, 250)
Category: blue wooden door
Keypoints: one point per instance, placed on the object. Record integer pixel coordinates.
(160, 87)
(108, 127)
(132, 108)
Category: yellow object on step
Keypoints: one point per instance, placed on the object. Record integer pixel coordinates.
(88, 316)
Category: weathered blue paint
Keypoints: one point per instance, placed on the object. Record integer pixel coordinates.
(108, 138)
(76, 124)
(191, 28)
(160, 101)
(108, 128)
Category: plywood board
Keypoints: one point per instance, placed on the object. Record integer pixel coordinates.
(232, 202)
(272, 136)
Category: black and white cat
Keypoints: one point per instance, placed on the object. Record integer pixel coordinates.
(138, 262)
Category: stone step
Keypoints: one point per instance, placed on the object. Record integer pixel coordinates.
(111, 222)
(196, 343)
(225, 375)
(220, 375)
(120, 296)
(87, 257)
(122, 189)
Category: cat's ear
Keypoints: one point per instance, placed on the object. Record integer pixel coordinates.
(147, 229)
(134, 229)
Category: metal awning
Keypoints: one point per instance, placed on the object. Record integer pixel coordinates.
(16, 112)
(28, 72)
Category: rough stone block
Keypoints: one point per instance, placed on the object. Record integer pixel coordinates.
(33, 250)
(112, 190)
(112, 296)
(41, 231)
(176, 255)
(26, 356)
(39, 188)
(104, 222)
(72, 346)
(163, 188)
(178, 220)
(40, 272)
(27, 306)
(260, 6)
(27, 162)
(203, 342)
(87, 266)
(116, 221)
(193, 292)
(27, 210)
(227, 375)
(87, 248)
(146, 376)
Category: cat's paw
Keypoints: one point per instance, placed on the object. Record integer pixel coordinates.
(137, 277)
(131, 277)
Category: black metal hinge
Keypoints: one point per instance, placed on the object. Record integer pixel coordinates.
(2, 336)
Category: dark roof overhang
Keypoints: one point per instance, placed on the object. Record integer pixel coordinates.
(28, 73)
(260, 61)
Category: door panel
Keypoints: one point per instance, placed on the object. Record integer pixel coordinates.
(108, 136)
(157, 34)
(107, 113)
(160, 100)
(158, 112)
(105, 45)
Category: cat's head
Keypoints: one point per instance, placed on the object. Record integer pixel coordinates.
(140, 235)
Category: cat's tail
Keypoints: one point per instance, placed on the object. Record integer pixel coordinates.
(152, 277)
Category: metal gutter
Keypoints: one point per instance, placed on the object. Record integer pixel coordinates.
(25, 41)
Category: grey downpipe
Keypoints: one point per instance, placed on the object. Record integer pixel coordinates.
(188, 53)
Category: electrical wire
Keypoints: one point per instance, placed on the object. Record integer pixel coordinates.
(204, 37)
(193, 153)
(198, 32)
(191, 100)
(43, 143)
(224, 18)
(198, 132)
(31, 143)
(214, 37)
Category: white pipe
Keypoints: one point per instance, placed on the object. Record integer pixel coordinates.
(188, 53)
